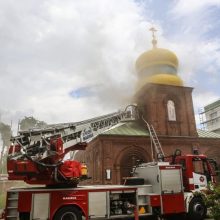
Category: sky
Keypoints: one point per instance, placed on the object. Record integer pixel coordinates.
(69, 60)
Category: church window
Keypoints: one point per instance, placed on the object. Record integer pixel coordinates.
(171, 110)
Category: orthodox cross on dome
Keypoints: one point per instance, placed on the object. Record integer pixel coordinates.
(154, 41)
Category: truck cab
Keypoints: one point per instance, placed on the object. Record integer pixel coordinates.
(197, 171)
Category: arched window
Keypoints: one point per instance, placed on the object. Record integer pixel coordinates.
(171, 110)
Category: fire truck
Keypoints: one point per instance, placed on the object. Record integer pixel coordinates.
(166, 186)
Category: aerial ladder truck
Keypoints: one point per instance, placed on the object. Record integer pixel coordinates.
(164, 187)
(37, 156)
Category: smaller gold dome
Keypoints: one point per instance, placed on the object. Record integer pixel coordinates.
(162, 78)
(156, 56)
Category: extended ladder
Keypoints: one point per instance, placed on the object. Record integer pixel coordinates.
(157, 146)
(35, 142)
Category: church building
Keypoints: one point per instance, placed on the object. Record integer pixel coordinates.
(166, 104)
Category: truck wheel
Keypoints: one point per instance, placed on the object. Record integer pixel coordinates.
(176, 216)
(68, 213)
(24, 216)
(197, 209)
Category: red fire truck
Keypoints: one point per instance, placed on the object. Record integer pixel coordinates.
(165, 187)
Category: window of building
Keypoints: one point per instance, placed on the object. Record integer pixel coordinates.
(213, 119)
(213, 115)
(171, 110)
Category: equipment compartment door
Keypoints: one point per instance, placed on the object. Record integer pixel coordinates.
(97, 204)
(173, 203)
(171, 181)
(40, 206)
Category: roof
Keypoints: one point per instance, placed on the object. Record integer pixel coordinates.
(207, 134)
(130, 128)
(133, 128)
(212, 105)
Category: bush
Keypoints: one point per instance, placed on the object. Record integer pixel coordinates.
(212, 201)
(2, 200)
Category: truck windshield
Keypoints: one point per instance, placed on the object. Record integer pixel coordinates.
(200, 166)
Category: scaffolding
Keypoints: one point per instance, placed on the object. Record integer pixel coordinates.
(209, 117)
(202, 119)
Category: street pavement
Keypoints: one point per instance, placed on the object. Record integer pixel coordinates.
(126, 218)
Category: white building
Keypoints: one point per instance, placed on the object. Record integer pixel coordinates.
(210, 117)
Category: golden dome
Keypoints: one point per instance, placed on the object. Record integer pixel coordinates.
(158, 66)
(155, 57)
(166, 79)
(163, 78)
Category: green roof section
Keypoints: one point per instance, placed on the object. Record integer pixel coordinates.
(212, 105)
(207, 134)
(130, 128)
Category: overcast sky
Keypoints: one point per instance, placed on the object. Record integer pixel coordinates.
(69, 60)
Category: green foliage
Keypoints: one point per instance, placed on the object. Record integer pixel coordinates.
(2, 200)
(30, 122)
(212, 200)
(3, 168)
(5, 131)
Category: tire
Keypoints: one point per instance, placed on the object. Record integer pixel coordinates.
(24, 216)
(176, 216)
(197, 209)
(68, 213)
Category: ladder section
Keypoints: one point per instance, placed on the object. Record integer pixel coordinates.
(157, 146)
(34, 142)
(12, 206)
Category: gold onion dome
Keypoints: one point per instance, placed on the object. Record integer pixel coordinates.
(158, 65)
(156, 56)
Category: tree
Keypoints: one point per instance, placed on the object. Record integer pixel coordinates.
(30, 122)
(5, 131)
(212, 200)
